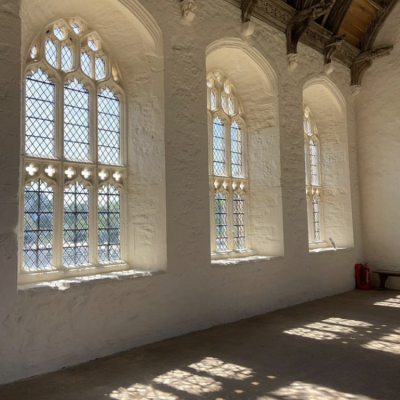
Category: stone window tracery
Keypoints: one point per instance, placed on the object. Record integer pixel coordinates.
(73, 154)
(227, 168)
(313, 179)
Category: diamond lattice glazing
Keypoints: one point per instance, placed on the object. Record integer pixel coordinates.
(109, 229)
(100, 68)
(221, 222)
(51, 53)
(218, 147)
(76, 121)
(238, 222)
(316, 220)
(236, 151)
(39, 115)
(38, 226)
(86, 64)
(66, 58)
(313, 163)
(108, 120)
(76, 225)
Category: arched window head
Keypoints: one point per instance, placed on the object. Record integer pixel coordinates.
(74, 157)
(228, 177)
(313, 176)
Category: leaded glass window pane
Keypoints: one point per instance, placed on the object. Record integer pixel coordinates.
(213, 101)
(60, 118)
(108, 120)
(39, 115)
(109, 229)
(76, 121)
(100, 68)
(224, 103)
(238, 222)
(76, 225)
(50, 50)
(219, 154)
(221, 222)
(59, 33)
(231, 106)
(236, 151)
(316, 220)
(314, 163)
(86, 63)
(38, 226)
(66, 58)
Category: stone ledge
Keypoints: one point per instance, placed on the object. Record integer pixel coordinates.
(329, 249)
(68, 283)
(242, 260)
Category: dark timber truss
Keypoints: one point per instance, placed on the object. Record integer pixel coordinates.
(316, 23)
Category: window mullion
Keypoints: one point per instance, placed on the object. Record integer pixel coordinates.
(93, 221)
(59, 192)
(93, 192)
(245, 219)
(59, 120)
(93, 124)
(123, 223)
(58, 220)
(228, 145)
(213, 237)
(229, 201)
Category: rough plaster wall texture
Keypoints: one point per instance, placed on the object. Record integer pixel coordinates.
(378, 120)
(329, 111)
(10, 44)
(47, 329)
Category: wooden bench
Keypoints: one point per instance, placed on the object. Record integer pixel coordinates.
(383, 275)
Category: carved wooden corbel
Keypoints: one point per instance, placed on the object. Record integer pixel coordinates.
(298, 25)
(247, 11)
(188, 10)
(331, 47)
(363, 62)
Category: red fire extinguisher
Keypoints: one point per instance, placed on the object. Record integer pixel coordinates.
(362, 277)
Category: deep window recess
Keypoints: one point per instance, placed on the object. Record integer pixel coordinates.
(227, 171)
(74, 161)
(314, 188)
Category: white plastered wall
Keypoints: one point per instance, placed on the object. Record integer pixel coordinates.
(378, 117)
(46, 329)
(329, 111)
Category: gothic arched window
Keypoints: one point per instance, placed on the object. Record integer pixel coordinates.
(73, 154)
(227, 168)
(313, 178)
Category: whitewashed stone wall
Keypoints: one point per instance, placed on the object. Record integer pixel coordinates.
(378, 117)
(45, 329)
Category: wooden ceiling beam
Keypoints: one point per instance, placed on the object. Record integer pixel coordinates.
(370, 33)
(375, 4)
(337, 14)
(278, 14)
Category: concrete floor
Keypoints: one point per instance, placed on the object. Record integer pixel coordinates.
(342, 347)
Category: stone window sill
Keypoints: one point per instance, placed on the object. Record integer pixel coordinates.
(67, 283)
(328, 249)
(242, 260)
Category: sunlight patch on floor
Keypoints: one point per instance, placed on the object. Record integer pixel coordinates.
(142, 392)
(347, 322)
(393, 302)
(216, 367)
(312, 334)
(329, 327)
(307, 391)
(185, 381)
(381, 345)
